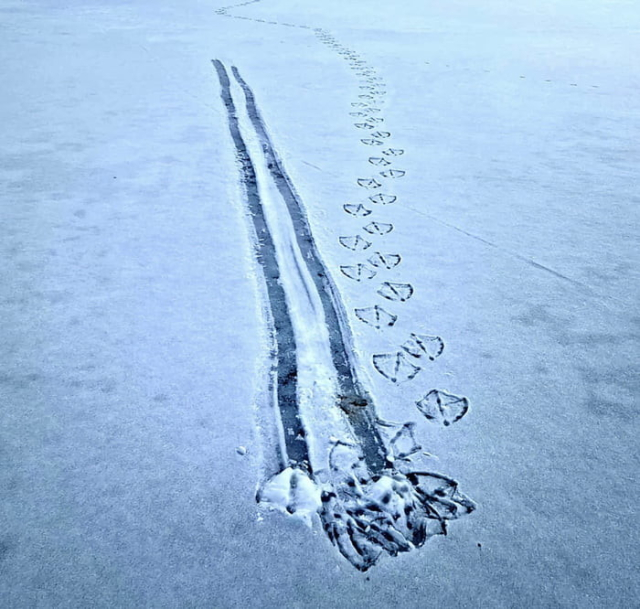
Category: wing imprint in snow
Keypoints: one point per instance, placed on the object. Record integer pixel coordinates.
(368, 516)
(400, 292)
(376, 316)
(442, 407)
(356, 243)
(358, 210)
(395, 366)
(378, 228)
(420, 345)
(358, 272)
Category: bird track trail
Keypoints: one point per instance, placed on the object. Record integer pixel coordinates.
(336, 458)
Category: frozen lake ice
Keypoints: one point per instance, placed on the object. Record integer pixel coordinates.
(468, 173)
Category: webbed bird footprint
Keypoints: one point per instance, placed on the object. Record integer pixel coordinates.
(381, 134)
(443, 495)
(393, 173)
(358, 272)
(378, 228)
(387, 261)
(393, 152)
(364, 125)
(404, 443)
(356, 243)
(381, 199)
(358, 209)
(400, 292)
(371, 142)
(442, 407)
(421, 345)
(395, 366)
(368, 183)
(376, 316)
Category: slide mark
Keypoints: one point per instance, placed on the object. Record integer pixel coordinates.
(362, 420)
(284, 365)
(360, 509)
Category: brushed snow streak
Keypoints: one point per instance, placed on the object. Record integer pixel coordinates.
(285, 357)
(353, 398)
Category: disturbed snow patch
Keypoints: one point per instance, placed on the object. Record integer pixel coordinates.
(367, 516)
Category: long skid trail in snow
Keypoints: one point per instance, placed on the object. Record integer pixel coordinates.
(337, 464)
(285, 345)
(352, 395)
(288, 251)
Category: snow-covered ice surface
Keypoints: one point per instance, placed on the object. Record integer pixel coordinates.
(135, 343)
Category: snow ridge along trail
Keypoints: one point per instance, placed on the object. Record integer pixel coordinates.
(337, 464)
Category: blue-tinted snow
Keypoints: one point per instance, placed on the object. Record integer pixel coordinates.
(131, 335)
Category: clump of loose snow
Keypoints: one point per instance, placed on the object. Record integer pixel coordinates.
(292, 492)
